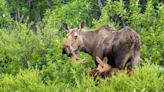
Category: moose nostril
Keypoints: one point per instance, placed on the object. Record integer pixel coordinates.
(63, 51)
(66, 50)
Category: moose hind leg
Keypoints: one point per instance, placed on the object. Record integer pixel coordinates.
(135, 59)
(121, 60)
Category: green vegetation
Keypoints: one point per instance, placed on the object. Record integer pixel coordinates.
(31, 39)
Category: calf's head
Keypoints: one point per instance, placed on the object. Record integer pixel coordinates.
(103, 66)
(104, 69)
(74, 41)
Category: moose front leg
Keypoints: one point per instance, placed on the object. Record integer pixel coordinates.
(74, 57)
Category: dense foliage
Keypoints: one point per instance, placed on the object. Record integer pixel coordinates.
(31, 39)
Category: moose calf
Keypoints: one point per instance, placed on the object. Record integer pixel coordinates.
(104, 69)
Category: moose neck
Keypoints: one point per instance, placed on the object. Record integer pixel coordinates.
(88, 41)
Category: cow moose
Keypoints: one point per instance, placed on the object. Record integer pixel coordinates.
(121, 47)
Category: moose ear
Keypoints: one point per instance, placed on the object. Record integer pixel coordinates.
(65, 26)
(105, 60)
(81, 24)
(98, 60)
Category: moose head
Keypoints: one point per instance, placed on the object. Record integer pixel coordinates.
(73, 42)
(103, 65)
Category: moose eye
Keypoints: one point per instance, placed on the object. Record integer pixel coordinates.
(75, 37)
(102, 66)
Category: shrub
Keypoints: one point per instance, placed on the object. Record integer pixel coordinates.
(22, 48)
(149, 78)
(5, 18)
(24, 81)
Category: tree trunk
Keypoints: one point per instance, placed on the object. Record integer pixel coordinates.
(100, 5)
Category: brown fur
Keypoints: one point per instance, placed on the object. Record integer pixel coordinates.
(106, 27)
(109, 73)
(120, 47)
(104, 69)
(126, 48)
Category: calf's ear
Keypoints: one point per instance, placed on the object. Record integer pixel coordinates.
(82, 25)
(105, 60)
(98, 60)
(65, 26)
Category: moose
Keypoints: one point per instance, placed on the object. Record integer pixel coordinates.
(121, 47)
(103, 69)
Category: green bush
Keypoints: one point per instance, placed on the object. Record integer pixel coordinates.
(21, 48)
(5, 18)
(146, 78)
(72, 13)
(24, 81)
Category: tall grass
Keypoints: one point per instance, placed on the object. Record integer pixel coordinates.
(148, 78)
